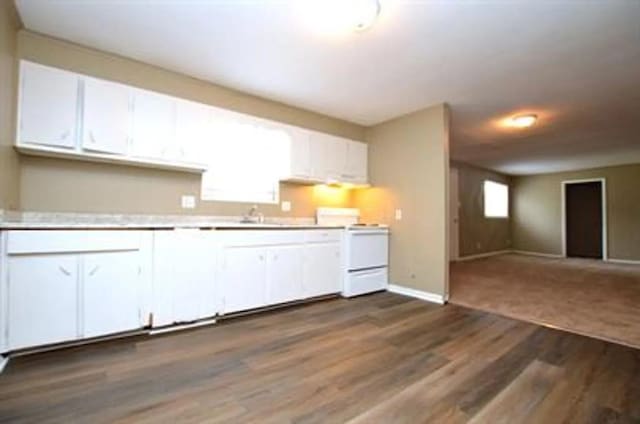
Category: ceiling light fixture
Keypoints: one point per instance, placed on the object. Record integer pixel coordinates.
(523, 121)
(339, 17)
(363, 13)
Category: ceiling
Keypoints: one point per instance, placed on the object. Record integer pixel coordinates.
(574, 63)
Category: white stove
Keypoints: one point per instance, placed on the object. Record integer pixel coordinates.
(366, 266)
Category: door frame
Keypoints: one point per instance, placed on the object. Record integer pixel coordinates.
(603, 185)
(454, 242)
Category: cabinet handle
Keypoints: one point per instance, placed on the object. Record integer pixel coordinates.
(262, 257)
(64, 270)
(91, 137)
(94, 270)
(65, 135)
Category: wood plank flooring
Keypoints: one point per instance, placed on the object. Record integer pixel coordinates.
(375, 359)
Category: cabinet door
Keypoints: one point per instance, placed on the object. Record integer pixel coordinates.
(356, 164)
(153, 125)
(336, 157)
(300, 153)
(244, 281)
(285, 268)
(48, 106)
(193, 131)
(111, 300)
(106, 117)
(42, 299)
(322, 269)
(184, 276)
(318, 149)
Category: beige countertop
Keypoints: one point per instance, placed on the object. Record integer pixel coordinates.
(12, 220)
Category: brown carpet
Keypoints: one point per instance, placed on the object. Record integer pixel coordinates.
(583, 296)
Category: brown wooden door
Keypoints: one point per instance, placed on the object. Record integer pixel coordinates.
(584, 219)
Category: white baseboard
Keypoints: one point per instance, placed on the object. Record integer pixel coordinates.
(482, 255)
(179, 327)
(4, 360)
(623, 261)
(418, 294)
(543, 255)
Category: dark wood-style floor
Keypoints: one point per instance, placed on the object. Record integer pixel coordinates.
(376, 359)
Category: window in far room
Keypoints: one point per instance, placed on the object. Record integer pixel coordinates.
(496, 200)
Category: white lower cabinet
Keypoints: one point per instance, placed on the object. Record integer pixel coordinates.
(284, 274)
(42, 300)
(244, 278)
(262, 268)
(184, 276)
(111, 298)
(62, 286)
(322, 269)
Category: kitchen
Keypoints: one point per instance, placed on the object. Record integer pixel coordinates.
(141, 204)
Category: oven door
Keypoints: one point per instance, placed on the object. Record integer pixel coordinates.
(368, 249)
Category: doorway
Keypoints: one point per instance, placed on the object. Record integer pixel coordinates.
(584, 219)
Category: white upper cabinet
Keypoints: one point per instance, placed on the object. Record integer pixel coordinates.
(336, 157)
(356, 163)
(300, 154)
(48, 106)
(193, 131)
(106, 117)
(318, 157)
(153, 125)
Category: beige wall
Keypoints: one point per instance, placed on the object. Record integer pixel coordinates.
(9, 173)
(409, 167)
(477, 233)
(537, 210)
(61, 185)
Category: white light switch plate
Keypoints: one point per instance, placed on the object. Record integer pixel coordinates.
(398, 214)
(188, 202)
(285, 206)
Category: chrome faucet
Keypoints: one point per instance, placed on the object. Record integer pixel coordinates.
(253, 216)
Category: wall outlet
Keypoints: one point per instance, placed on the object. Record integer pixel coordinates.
(285, 206)
(188, 202)
(398, 214)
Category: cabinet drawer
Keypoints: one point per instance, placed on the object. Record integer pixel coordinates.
(261, 237)
(59, 241)
(368, 281)
(319, 236)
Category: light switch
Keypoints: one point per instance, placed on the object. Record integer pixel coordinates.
(188, 202)
(285, 206)
(398, 214)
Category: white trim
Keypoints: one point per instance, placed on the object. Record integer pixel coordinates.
(603, 184)
(418, 294)
(173, 328)
(623, 261)
(483, 255)
(544, 255)
(4, 360)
